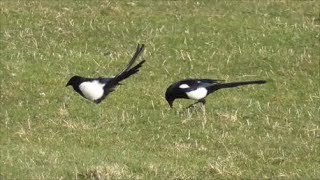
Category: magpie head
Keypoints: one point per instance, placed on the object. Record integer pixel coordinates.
(73, 81)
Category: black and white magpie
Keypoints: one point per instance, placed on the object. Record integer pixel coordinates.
(96, 89)
(198, 89)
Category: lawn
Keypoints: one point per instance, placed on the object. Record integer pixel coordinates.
(253, 132)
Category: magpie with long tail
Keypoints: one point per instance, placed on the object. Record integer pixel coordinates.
(97, 89)
(199, 89)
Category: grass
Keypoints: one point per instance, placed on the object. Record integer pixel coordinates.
(254, 132)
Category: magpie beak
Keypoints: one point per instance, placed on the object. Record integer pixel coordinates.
(199, 89)
(171, 103)
(97, 89)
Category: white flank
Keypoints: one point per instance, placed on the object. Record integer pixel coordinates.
(198, 94)
(92, 90)
(184, 86)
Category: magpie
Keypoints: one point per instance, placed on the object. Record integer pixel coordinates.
(97, 89)
(198, 89)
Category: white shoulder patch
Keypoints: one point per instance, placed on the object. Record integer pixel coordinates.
(184, 86)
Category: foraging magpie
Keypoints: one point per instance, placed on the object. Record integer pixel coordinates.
(198, 89)
(96, 89)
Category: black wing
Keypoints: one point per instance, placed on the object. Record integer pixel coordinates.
(196, 83)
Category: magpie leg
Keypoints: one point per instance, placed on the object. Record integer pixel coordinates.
(191, 105)
(203, 101)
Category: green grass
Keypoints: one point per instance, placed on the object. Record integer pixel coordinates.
(254, 132)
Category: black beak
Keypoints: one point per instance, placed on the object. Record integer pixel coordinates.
(170, 104)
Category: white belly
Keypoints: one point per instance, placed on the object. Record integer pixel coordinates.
(198, 94)
(92, 90)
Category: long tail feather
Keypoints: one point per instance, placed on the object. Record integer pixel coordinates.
(130, 72)
(234, 84)
(138, 52)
